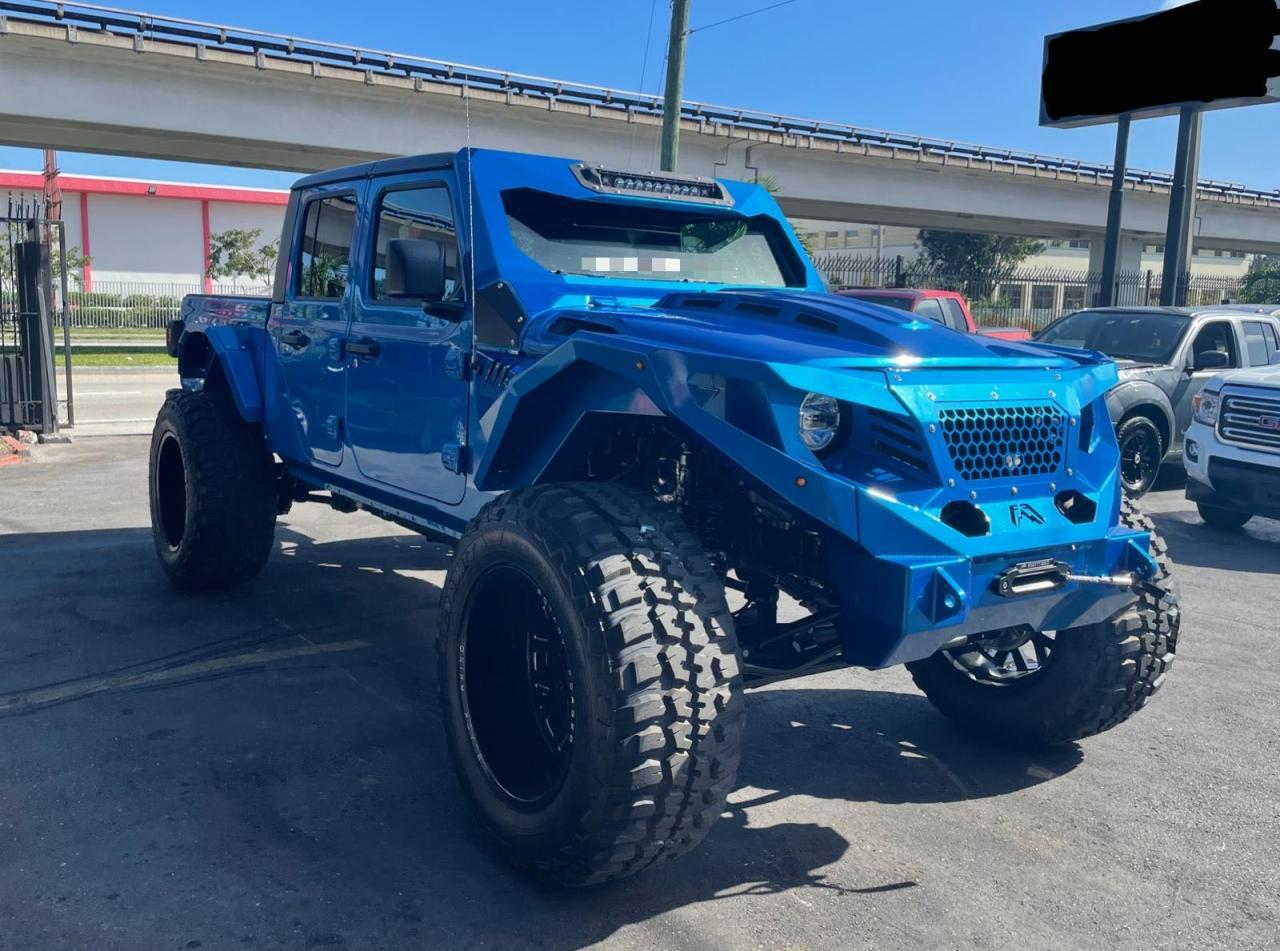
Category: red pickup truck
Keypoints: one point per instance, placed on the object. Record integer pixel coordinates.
(946, 307)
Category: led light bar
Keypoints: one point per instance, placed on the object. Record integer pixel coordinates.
(652, 185)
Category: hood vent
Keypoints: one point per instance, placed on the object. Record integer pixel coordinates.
(898, 439)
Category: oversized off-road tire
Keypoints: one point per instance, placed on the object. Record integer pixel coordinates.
(213, 492)
(1077, 683)
(1224, 520)
(1141, 454)
(590, 681)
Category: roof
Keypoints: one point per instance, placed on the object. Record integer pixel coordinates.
(1224, 310)
(390, 166)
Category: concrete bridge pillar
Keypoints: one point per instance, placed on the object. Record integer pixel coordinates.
(1130, 253)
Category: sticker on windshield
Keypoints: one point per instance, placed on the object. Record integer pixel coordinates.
(633, 264)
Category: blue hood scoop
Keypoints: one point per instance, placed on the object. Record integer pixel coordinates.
(801, 328)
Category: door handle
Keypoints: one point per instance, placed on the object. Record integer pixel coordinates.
(364, 347)
(295, 339)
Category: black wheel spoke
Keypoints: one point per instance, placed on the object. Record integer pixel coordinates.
(986, 658)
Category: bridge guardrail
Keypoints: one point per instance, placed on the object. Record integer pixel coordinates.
(265, 45)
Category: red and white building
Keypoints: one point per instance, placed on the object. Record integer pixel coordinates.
(140, 233)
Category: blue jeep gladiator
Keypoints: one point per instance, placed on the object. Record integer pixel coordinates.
(673, 467)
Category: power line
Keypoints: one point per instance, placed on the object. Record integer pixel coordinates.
(741, 16)
(644, 68)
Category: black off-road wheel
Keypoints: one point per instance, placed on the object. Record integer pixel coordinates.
(1141, 454)
(1224, 520)
(1043, 688)
(590, 681)
(213, 492)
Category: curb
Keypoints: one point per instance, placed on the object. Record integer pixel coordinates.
(14, 452)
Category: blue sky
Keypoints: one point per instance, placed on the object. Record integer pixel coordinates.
(962, 69)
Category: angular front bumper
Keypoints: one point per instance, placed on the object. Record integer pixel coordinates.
(898, 608)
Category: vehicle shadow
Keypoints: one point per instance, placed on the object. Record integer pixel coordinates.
(1192, 542)
(310, 801)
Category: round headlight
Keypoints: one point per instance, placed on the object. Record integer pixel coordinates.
(819, 421)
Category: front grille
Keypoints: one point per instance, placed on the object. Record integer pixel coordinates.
(1002, 442)
(1250, 421)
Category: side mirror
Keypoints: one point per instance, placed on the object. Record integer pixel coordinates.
(1211, 360)
(415, 269)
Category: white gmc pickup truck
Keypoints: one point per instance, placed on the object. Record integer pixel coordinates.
(1232, 452)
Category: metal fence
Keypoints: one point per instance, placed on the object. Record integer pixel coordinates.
(1027, 297)
(136, 306)
(35, 388)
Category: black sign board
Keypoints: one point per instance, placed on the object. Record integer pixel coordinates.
(1212, 54)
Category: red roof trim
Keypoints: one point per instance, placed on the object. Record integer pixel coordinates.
(34, 181)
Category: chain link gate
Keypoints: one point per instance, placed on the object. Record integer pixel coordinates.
(33, 312)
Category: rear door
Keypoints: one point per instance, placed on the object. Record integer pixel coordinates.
(406, 369)
(1260, 342)
(308, 327)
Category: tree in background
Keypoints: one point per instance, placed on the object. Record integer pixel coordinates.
(1262, 283)
(236, 253)
(963, 253)
(77, 261)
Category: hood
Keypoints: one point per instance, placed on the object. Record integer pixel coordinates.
(1267, 377)
(1129, 369)
(799, 328)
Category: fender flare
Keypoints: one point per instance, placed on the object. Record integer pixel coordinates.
(1124, 399)
(217, 354)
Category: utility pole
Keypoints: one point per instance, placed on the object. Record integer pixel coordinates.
(675, 84)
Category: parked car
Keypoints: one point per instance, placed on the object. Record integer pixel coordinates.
(948, 308)
(1165, 356)
(1232, 453)
(618, 395)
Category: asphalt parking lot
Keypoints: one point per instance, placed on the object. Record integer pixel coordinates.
(267, 770)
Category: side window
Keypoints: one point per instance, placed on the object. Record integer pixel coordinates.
(931, 309)
(324, 253)
(415, 213)
(955, 315)
(1255, 339)
(1273, 344)
(1218, 336)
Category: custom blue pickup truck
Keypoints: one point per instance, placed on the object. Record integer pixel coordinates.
(673, 466)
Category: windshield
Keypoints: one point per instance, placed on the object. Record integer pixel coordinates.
(1143, 338)
(627, 241)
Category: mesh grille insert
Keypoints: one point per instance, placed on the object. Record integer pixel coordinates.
(1005, 441)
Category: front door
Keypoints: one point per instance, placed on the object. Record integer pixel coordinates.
(406, 382)
(308, 328)
(1219, 335)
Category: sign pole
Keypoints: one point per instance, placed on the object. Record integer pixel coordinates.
(1115, 213)
(1182, 210)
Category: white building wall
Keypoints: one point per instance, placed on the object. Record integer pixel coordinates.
(145, 240)
(225, 216)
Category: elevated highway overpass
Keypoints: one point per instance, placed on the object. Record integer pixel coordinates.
(86, 78)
